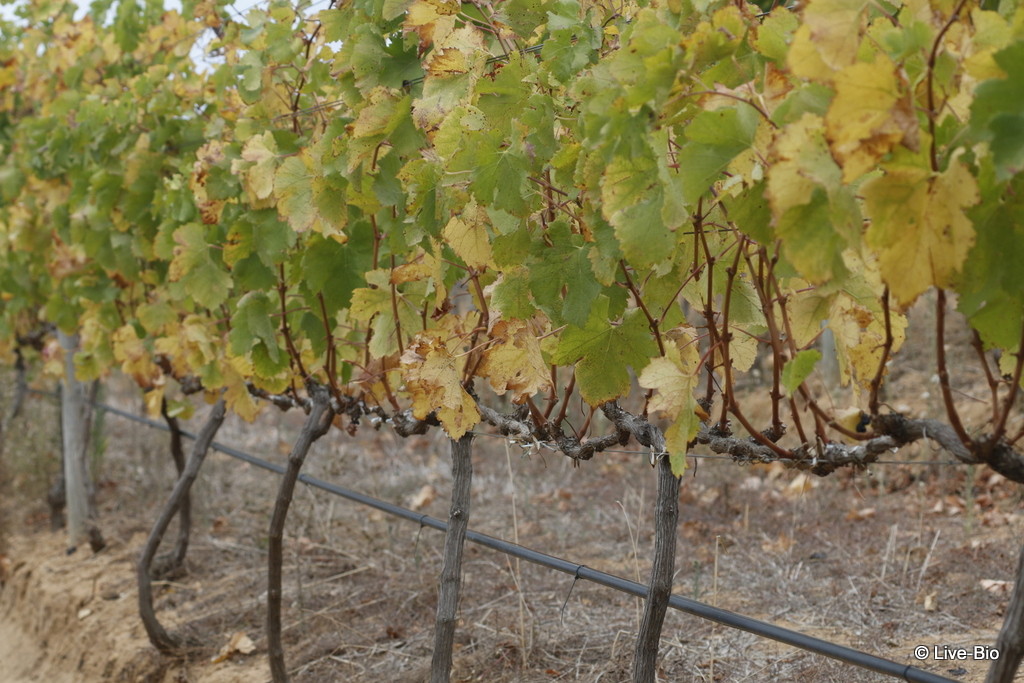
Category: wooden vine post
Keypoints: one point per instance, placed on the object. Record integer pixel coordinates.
(75, 436)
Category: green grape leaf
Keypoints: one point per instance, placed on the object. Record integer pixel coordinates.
(799, 368)
(997, 113)
(601, 352)
(565, 264)
(512, 295)
(252, 325)
(204, 280)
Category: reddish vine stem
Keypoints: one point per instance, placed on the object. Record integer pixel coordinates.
(1011, 398)
(387, 390)
(302, 77)
(548, 188)
(282, 291)
(548, 197)
(730, 390)
(940, 356)
(993, 384)
(651, 322)
(376, 241)
(394, 309)
(774, 341)
(485, 314)
(726, 336)
(565, 400)
(795, 413)
(932, 58)
(668, 306)
(731, 96)
(538, 419)
(585, 428)
(819, 423)
(709, 311)
(552, 393)
(714, 338)
(876, 381)
(330, 364)
(485, 319)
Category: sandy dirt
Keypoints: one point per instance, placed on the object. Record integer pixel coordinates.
(882, 561)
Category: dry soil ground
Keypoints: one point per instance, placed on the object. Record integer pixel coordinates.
(882, 561)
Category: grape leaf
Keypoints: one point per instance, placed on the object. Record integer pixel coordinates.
(918, 226)
(432, 377)
(799, 368)
(602, 350)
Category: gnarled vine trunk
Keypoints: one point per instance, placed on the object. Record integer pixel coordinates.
(666, 520)
(317, 424)
(158, 635)
(1010, 642)
(451, 569)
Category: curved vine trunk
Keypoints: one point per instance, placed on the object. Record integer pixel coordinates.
(158, 635)
(317, 424)
(174, 562)
(451, 569)
(1010, 642)
(666, 519)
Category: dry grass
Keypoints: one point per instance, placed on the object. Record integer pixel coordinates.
(880, 561)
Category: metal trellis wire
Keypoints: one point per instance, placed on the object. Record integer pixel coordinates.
(757, 627)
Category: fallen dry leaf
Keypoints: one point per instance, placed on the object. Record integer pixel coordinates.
(424, 497)
(860, 515)
(239, 642)
(780, 545)
(996, 587)
(800, 485)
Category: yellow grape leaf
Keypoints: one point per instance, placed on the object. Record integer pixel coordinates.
(154, 400)
(802, 162)
(134, 358)
(239, 401)
(381, 114)
(918, 226)
(449, 61)
(804, 59)
(675, 375)
(742, 350)
(868, 116)
(515, 363)
(678, 437)
(432, 377)
(208, 155)
(293, 186)
(807, 308)
(828, 38)
(260, 151)
(859, 335)
(190, 344)
(237, 398)
(467, 236)
(431, 20)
